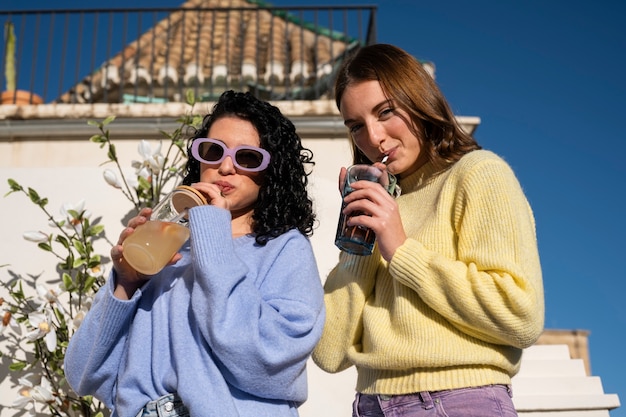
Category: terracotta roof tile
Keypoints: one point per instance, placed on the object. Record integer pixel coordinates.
(211, 44)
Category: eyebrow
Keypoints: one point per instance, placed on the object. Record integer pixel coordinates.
(386, 102)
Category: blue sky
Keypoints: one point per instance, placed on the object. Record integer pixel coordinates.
(547, 80)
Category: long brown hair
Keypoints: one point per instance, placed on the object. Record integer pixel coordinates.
(404, 80)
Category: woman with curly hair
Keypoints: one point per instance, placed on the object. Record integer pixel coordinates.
(436, 318)
(226, 329)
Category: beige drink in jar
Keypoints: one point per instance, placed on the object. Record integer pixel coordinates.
(151, 246)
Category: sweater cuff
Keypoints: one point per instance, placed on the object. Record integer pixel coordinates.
(410, 263)
(112, 312)
(211, 233)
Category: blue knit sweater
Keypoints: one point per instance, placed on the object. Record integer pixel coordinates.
(229, 328)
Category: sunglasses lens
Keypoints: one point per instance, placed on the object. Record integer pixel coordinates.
(247, 158)
(210, 152)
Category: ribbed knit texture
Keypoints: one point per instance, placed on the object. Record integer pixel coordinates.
(460, 298)
(230, 328)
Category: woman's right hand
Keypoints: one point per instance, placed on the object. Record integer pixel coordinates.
(379, 212)
(128, 280)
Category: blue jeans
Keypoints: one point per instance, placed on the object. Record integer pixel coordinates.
(169, 405)
(486, 401)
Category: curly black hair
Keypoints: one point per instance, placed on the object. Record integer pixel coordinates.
(283, 203)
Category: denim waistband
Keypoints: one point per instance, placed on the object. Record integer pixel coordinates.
(169, 405)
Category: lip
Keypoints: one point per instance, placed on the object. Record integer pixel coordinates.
(224, 186)
(388, 154)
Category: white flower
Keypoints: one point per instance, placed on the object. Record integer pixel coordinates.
(35, 236)
(69, 221)
(97, 271)
(145, 173)
(80, 314)
(152, 160)
(42, 328)
(111, 178)
(78, 208)
(31, 392)
(132, 182)
(51, 296)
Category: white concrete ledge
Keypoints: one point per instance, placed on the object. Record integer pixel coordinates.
(549, 383)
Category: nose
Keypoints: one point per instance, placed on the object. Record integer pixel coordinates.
(226, 166)
(375, 134)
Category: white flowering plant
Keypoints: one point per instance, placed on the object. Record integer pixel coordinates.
(41, 314)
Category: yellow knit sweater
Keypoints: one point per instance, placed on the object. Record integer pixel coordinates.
(460, 298)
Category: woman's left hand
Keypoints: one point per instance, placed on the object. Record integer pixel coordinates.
(213, 194)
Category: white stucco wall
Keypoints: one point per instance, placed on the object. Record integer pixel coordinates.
(68, 171)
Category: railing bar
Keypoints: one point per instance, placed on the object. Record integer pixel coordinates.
(94, 49)
(196, 88)
(34, 64)
(137, 55)
(240, 41)
(78, 48)
(166, 64)
(257, 57)
(227, 57)
(31, 87)
(153, 56)
(181, 85)
(64, 52)
(371, 29)
(123, 65)
(19, 58)
(302, 56)
(48, 57)
(2, 58)
(285, 47)
(212, 55)
(270, 55)
(105, 71)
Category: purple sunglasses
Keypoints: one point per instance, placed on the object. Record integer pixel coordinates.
(247, 158)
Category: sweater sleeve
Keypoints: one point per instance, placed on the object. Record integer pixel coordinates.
(493, 290)
(263, 317)
(95, 351)
(346, 290)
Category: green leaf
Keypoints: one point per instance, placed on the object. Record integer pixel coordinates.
(112, 154)
(34, 197)
(96, 230)
(98, 139)
(63, 241)
(74, 214)
(68, 283)
(108, 120)
(17, 366)
(78, 262)
(45, 246)
(80, 247)
(143, 183)
(94, 261)
(89, 283)
(14, 185)
(190, 97)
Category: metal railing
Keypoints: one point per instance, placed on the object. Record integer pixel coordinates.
(159, 55)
